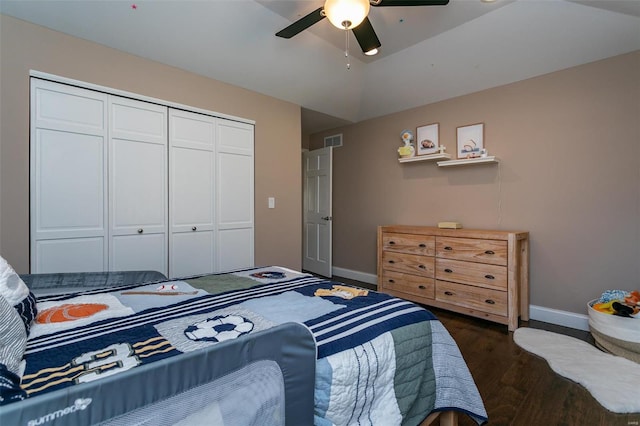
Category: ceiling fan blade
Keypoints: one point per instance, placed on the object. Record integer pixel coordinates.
(383, 3)
(302, 24)
(366, 36)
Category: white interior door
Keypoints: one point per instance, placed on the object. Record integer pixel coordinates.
(317, 234)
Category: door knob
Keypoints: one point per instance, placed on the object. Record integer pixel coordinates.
(140, 231)
(326, 218)
(193, 228)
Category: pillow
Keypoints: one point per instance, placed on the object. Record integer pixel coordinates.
(17, 294)
(12, 287)
(27, 309)
(13, 337)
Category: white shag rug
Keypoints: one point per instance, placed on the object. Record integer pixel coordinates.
(612, 380)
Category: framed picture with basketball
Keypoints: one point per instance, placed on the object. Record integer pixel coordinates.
(470, 140)
(427, 139)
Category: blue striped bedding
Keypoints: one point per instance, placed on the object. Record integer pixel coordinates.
(380, 360)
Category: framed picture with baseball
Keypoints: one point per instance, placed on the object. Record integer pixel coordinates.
(427, 140)
(470, 140)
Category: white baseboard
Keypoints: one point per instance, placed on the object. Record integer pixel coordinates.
(355, 275)
(538, 313)
(555, 316)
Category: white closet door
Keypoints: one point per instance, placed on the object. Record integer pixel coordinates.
(191, 193)
(68, 185)
(137, 185)
(234, 195)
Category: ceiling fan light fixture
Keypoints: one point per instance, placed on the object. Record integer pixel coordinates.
(346, 14)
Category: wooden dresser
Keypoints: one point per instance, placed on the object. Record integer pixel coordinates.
(475, 272)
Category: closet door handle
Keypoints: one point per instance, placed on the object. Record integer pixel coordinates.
(193, 228)
(140, 231)
(490, 277)
(448, 270)
(489, 252)
(491, 302)
(448, 248)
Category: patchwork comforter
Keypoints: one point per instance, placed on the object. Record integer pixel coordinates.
(380, 360)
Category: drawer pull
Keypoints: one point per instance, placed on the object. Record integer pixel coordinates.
(448, 248)
(391, 243)
(448, 270)
(422, 267)
(491, 302)
(193, 228)
(140, 231)
(392, 261)
(422, 245)
(490, 277)
(448, 293)
(391, 281)
(421, 287)
(489, 252)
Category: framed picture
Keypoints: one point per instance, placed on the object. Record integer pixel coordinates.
(427, 140)
(470, 140)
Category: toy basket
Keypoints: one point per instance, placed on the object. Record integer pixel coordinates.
(617, 335)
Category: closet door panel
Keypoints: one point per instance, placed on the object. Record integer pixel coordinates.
(191, 193)
(192, 189)
(192, 253)
(234, 195)
(139, 193)
(235, 189)
(70, 255)
(139, 252)
(68, 187)
(68, 108)
(138, 200)
(70, 183)
(235, 249)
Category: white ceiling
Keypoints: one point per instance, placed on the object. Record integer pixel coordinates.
(428, 53)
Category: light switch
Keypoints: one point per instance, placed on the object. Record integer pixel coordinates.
(272, 202)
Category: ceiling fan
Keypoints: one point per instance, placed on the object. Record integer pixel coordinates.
(352, 15)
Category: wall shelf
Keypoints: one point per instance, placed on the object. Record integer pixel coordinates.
(430, 157)
(468, 161)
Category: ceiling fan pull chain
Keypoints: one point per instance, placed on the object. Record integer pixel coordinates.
(346, 51)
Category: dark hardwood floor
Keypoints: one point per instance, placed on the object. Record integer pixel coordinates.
(519, 388)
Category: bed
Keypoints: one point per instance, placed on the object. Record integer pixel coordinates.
(263, 346)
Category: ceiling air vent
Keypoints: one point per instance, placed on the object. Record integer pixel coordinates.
(335, 140)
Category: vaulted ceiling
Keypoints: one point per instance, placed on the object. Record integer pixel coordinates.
(428, 53)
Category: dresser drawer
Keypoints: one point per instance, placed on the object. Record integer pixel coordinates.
(482, 251)
(478, 298)
(491, 276)
(407, 283)
(408, 263)
(408, 243)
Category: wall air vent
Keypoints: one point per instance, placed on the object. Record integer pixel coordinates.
(335, 140)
